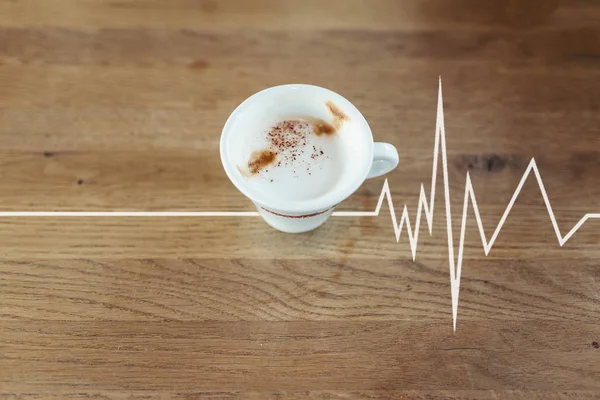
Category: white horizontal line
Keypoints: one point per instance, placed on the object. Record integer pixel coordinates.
(129, 214)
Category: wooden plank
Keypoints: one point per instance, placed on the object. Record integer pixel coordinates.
(197, 49)
(64, 86)
(296, 355)
(527, 234)
(320, 394)
(350, 289)
(324, 394)
(288, 14)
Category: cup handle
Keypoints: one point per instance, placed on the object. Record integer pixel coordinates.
(385, 159)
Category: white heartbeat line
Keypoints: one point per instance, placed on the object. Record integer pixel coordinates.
(455, 264)
(413, 236)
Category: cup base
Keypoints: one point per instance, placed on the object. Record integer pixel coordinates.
(294, 223)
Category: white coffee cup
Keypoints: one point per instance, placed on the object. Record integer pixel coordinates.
(291, 215)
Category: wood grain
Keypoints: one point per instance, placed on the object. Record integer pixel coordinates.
(288, 290)
(119, 104)
(271, 14)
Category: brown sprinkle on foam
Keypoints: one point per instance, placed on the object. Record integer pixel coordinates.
(323, 128)
(261, 159)
(338, 115)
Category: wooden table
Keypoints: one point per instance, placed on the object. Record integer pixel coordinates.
(118, 105)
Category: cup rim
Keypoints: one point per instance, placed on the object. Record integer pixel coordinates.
(327, 201)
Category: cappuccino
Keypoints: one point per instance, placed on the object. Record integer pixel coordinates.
(297, 151)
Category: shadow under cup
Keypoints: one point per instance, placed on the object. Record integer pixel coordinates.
(298, 190)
